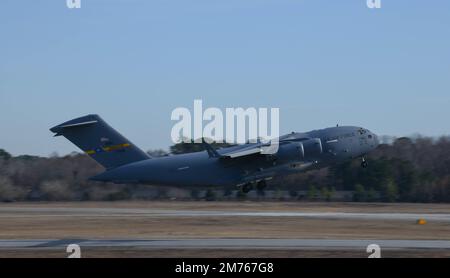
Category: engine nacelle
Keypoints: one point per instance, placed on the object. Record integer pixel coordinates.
(299, 151)
(312, 148)
(292, 151)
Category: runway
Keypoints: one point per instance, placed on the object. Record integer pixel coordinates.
(213, 229)
(18, 212)
(223, 243)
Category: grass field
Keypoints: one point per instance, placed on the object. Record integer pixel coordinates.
(48, 224)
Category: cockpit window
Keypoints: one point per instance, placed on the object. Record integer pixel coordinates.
(362, 131)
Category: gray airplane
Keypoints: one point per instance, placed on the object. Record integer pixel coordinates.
(245, 165)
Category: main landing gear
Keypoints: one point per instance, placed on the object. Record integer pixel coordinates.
(247, 187)
(261, 185)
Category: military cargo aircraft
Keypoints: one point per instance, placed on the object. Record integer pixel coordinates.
(245, 166)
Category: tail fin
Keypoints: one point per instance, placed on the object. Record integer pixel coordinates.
(97, 139)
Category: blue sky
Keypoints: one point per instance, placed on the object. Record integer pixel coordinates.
(133, 61)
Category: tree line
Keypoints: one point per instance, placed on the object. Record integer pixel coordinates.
(406, 170)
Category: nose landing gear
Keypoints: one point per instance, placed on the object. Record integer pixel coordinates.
(364, 163)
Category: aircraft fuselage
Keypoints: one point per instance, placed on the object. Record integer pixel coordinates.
(297, 152)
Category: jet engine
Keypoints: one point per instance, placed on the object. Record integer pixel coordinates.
(297, 151)
(312, 147)
(292, 151)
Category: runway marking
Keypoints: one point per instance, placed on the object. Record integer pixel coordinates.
(237, 243)
(8, 212)
(59, 242)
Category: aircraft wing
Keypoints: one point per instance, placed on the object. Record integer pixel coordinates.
(243, 152)
(250, 149)
(255, 148)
